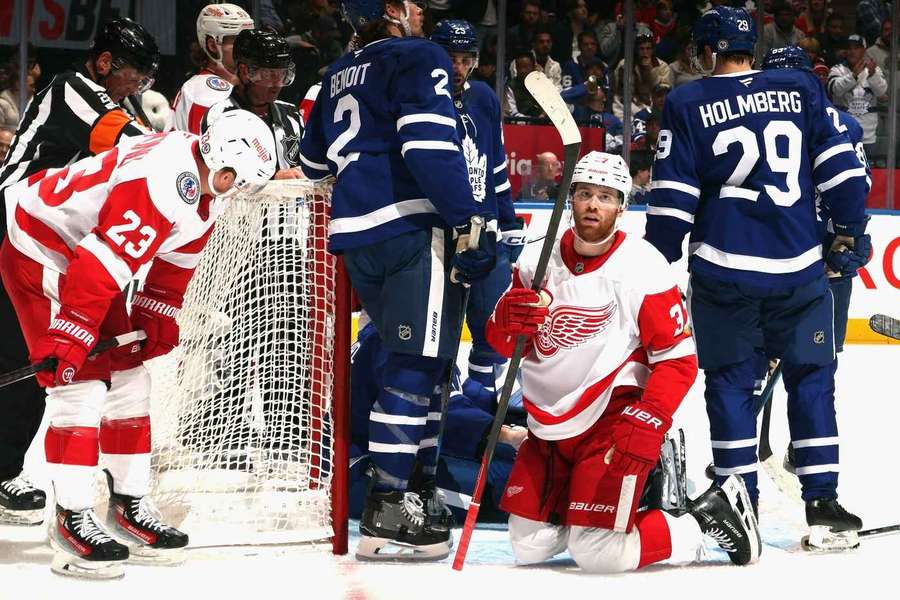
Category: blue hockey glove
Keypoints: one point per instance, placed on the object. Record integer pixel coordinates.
(473, 263)
(850, 249)
(513, 237)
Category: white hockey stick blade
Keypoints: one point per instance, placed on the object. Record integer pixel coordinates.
(546, 94)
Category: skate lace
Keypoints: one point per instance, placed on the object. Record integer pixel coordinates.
(86, 525)
(146, 514)
(722, 539)
(18, 485)
(413, 508)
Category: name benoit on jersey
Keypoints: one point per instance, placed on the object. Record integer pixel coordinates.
(728, 109)
(355, 75)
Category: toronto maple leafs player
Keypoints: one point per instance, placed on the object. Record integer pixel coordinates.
(479, 124)
(608, 360)
(740, 159)
(402, 215)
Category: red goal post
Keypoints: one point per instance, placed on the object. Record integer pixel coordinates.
(251, 411)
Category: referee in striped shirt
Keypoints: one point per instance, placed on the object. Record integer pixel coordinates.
(77, 115)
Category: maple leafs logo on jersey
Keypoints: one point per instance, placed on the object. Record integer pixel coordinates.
(477, 164)
(571, 326)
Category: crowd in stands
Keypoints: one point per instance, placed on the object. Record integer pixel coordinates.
(579, 45)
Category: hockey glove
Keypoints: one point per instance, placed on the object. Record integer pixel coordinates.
(521, 311)
(154, 310)
(847, 255)
(513, 238)
(474, 264)
(637, 436)
(69, 340)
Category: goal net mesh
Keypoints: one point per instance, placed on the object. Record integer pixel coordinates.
(241, 410)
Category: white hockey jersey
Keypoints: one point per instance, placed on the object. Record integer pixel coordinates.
(113, 213)
(195, 97)
(615, 320)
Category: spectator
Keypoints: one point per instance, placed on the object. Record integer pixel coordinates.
(541, 185)
(683, 68)
(811, 47)
(566, 32)
(9, 87)
(880, 51)
(812, 20)
(301, 15)
(611, 39)
(869, 16)
(574, 72)
(486, 70)
(649, 71)
(781, 32)
(640, 177)
(541, 46)
(663, 29)
(520, 35)
(438, 10)
(6, 137)
(644, 11)
(592, 107)
(518, 101)
(833, 41)
(855, 85)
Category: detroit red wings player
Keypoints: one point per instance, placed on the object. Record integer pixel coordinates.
(217, 28)
(609, 360)
(77, 236)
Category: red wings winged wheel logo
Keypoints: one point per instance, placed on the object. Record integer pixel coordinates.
(571, 326)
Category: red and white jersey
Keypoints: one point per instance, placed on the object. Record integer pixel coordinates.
(614, 319)
(195, 97)
(102, 218)
(306, 105)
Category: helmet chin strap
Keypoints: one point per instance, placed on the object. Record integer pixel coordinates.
(402, 20)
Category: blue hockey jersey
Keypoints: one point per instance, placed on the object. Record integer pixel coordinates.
(738, 164)
(479, 123)
(845, 123)
(384, 126)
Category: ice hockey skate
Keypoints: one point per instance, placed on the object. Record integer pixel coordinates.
(21, 503)
(831, 527)
(438, 516)
(394, 526)
(666, 486)
(725, 514)
(83, 548)
(136, 522)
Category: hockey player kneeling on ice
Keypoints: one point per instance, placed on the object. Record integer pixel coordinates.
(609, 358)
(79, 236)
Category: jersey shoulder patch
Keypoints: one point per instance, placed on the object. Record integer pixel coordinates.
(188, 187)
(218, 84)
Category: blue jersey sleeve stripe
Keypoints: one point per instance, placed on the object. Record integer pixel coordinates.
(731, 191)
(663, 211)
(385, 214)
(666, 184)
(499, 168)
(428, 145)
(841, 178)
(502, 187)
(425, 118)
(831, 152)
(311, 164)
(759, 264)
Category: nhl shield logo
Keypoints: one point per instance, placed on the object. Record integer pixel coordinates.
(404, 332)
(819, 337)
(291, 146)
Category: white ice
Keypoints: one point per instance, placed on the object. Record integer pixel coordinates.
(868, 412)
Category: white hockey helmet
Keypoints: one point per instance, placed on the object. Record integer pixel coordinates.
(601, 168)
(219, 21)
(240, 140)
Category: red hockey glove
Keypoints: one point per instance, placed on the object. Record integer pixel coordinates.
(637, 437)
(154, 310)
(521, 311)
(69, 339)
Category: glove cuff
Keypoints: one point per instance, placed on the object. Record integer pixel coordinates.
(81, 332)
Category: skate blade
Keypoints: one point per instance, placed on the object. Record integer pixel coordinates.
(386, 549)
(69, 566)
(22, 517)
(736, 491)
(159, 557)
(822, 540)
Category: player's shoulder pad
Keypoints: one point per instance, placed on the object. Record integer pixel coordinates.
(654, 275)
(84, 85)
(482, 93)
(217, 84)
(854, 129)
(412, 51)
(173, 182)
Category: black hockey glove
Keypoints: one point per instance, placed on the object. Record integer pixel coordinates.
(473, 264)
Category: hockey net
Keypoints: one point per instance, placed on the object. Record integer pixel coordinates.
(248, 420)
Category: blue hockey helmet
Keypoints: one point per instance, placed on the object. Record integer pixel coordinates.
(788, 57)
(455, 36)
(361, 12)
(725, 30)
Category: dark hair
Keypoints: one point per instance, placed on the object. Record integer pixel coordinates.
(377, 29)
(523, 54)
(532, 3)
(587, 33)
(640, 161)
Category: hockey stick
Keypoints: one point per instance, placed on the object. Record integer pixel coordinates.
(885, 325)
(764, 402)
(548, 98)
(887, 529)
(50, 363)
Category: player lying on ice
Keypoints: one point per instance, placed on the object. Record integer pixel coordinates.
(608, 361)
(79, 235)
